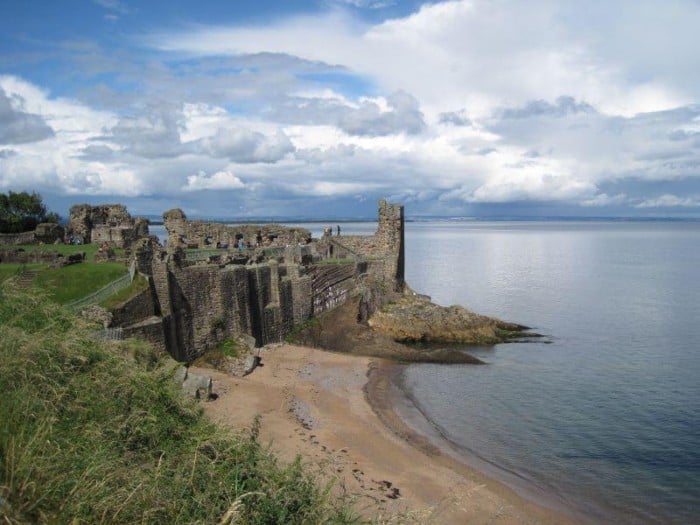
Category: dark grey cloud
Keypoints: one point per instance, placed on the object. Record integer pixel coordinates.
(659, 145)
(154, 134)
(158, 135)
(245, 146)
(247, 83)
(404, 116)
(562, 107)
(18, 126)
(681, 135)
(97, 152)
(486, 151)
(456, 118)
(367, 119)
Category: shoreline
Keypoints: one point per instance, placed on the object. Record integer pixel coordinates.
(397, 409)
(339, 413)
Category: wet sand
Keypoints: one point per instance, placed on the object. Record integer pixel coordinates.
(337, 412)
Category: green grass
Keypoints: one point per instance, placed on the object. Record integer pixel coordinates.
(218, 357)
(229, 347)
(90, 435)
(77, 280)
(10, 269)
(335, 261)
(74, 281)
(65, 249)
(138, 285)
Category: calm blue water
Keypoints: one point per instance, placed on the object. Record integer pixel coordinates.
(607, 417)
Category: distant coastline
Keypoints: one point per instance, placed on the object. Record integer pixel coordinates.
(157, 220)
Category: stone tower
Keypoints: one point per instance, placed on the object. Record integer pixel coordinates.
(390, 236)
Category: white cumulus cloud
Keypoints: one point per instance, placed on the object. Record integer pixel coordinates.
(221, 180)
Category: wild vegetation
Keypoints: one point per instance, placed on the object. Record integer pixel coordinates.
(66, 283)
(96, 432)
(21, 212)
(77, 280)
(139, 284)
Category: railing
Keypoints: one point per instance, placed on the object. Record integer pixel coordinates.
(104, 292)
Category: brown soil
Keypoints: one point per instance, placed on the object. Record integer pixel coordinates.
(339, 331)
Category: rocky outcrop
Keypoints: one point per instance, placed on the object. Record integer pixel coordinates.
(97, 314)
(414, 318)
(339, 330)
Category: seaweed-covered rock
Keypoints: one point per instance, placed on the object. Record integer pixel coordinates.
(413, 318)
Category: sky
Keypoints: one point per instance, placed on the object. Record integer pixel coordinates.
(319, 108)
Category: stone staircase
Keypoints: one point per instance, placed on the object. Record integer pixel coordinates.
(26, 278)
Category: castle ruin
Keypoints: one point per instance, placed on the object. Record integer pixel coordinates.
(109, 223)
(283, 279)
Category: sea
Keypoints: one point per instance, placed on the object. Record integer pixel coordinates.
(600, 417)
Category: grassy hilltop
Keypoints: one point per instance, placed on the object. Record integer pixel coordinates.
(96, 432)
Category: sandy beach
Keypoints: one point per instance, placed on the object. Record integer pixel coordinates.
(335, 410)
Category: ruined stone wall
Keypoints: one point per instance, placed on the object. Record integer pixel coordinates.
(202, 234)
(390, 235)
(144, 252)
(118, 235)
(150, 329)
(46, 233)
(106, 223)
(300, 288)
(11, 239)
(49, 233)
(385, 249)
(203, 303)
(21, 256)
(365, 245)
(332, 285)
(134, 310)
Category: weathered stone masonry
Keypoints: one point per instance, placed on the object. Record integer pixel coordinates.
(202, 303)
(202, 234)
(109, 223)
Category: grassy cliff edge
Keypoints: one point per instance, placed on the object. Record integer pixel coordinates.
(94, 432)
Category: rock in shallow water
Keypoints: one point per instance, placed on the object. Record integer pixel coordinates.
(414, 318)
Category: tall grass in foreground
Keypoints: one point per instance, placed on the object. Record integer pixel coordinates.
(89, 435)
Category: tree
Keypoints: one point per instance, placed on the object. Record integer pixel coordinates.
(21, 212)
